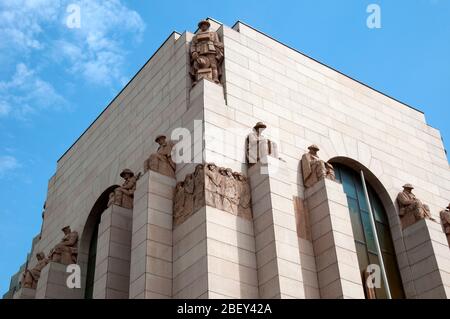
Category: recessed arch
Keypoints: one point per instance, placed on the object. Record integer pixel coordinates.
(88, 242)
(386, 220)
(375, 183)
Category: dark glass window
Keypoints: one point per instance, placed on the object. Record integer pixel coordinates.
(363, 232)
(91, 265)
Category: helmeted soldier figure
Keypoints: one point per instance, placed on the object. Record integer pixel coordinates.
(31, 276)
(411, 209)
(123, 196)
(315, 169)
(162, 161)
(258, 147)
(206, 54)
(445, 221)
(66, 251)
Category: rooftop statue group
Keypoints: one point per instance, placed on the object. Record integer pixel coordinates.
(65, 252)
(207, 54)
(213, 186)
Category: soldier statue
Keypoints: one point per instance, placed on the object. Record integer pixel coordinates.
(66, 251)
(31, 277)
(161, 161)
(123, 196)
(258, 147)
(315, 169)
(445, 221)
(411, 209)
(206, 54)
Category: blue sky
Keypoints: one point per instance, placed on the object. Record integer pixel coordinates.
(55, 80)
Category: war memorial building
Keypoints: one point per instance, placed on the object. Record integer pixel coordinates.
(233, 166)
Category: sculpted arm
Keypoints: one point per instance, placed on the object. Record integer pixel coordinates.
(72, 239)
(214, 177)
(446, 217)
(216, 41)
(306, 167)
(194, 53)
(404, 201)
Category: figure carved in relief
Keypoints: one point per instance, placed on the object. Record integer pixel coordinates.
(215, 187)
(31, 277)
(189, 186)
(315, 169)
(199, 187)
(161, 161)
(123, 196)
(178, 199)
(212, 184)
(445, 221)
(228, 191)
(66, 252)
(258, 147)
(207, 53)
(411, 208)
(245, 196)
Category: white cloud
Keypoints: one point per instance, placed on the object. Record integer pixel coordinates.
(26, 93)
(22, 21)
(95, 52)
(32, 31)
(5, 108)
(7, 164)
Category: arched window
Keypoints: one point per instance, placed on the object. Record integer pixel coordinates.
(363, 231)
(89, 240)
(92, 258)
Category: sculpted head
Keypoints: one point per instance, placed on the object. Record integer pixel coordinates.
(211, 166)
(204, 25)
(66, 230)
(40, 256)
(408, 188)
(259, 127)
(239, 176)
(313, 149)
(160, 139)
(198, 168)
(180, 185)
(127, 174)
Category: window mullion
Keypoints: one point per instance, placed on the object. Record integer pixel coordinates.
(375, 234)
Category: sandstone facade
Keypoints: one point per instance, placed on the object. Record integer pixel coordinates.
(292, 241)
